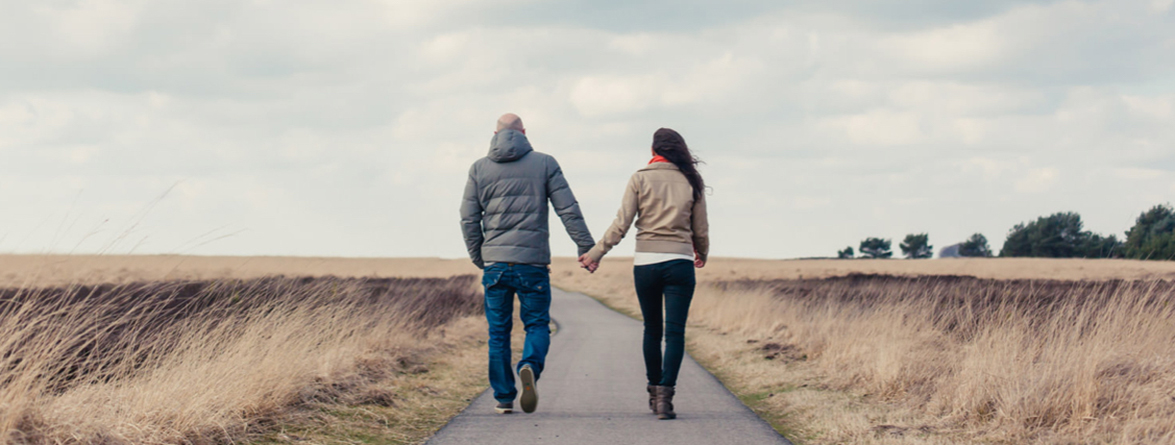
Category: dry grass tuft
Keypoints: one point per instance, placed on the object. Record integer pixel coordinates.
(938, 359)
(210, 361)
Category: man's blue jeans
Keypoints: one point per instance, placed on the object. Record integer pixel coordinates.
(532, 284)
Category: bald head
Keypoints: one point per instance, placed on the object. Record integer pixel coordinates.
(510, 121)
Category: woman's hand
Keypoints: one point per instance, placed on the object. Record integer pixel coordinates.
(698, 261)
(586, 262)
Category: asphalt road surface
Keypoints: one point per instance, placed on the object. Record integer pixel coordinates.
(593, 392)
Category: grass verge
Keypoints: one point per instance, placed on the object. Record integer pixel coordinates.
(369, 360)
(411, 405)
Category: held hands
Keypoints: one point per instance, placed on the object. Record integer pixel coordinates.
(586, 262)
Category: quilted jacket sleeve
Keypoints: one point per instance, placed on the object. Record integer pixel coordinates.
(471, 215)
(559, 192)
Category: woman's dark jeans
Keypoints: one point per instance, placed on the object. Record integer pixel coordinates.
(673, 280)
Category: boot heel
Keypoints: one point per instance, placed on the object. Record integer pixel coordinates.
(652, 398)
(665, 402)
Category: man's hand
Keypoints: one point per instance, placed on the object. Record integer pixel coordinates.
(698, 261)
(586, 262)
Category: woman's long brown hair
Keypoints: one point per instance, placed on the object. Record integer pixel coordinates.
(670, 145)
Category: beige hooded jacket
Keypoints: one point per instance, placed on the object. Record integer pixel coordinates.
(668, 218)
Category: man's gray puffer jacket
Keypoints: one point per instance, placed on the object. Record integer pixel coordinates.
(504, 212)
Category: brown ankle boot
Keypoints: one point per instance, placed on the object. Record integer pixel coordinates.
(652, 398)
(665, 402)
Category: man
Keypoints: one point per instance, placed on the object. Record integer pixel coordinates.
(504, 219)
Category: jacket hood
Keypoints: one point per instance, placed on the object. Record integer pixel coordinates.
(509, 146)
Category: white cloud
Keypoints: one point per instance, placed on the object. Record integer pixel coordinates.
(879, 128)
(1139, 173)
(600, 96)
(950, 49)
(970, 131)
(420, 13)
(963, 99)
(348, 129)
(1037, 180)
(1161, 109)
(990, 169)
(89, 28)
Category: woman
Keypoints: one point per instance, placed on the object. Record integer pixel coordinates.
(666, 198)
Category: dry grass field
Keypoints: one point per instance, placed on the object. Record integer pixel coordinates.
(171, 349)
(724, 269)
(934, 351)
(214, 350)
(48, 270)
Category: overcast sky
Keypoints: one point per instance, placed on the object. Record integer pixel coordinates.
(346, 128)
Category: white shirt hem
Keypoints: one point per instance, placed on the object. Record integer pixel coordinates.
(647, 258)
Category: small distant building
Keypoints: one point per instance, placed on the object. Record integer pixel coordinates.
(951, 251)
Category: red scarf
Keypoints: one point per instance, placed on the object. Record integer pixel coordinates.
(658, 158)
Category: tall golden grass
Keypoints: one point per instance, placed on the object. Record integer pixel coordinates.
(207, 361)
(939, 359)
(18, 270)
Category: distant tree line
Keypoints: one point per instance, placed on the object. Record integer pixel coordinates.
(915, 246)
(1060, 235)
(1153, 235)
(975, 246)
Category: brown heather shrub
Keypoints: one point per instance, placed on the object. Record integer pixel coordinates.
(1005, 360)
(207, 361)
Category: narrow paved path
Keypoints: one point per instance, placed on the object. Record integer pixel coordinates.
(593, 392)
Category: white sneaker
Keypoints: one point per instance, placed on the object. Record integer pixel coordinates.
(504, 408)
